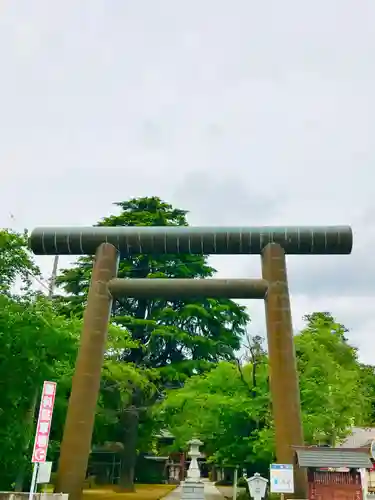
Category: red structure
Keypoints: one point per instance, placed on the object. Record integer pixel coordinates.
(333, 473)
(329, 485)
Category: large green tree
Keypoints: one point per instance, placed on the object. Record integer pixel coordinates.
(178, 338)
(331, 377)
(229, 407)
(226, 410)
(120, 382)
(38, 344)
(367, 378)
(35, 345)
(16, 263)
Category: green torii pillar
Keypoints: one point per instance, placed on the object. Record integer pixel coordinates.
(108, 243)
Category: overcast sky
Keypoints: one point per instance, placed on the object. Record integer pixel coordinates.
(245, 113)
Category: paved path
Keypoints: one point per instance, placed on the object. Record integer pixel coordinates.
(210, 492)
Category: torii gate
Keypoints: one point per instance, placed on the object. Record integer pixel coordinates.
(108, 243)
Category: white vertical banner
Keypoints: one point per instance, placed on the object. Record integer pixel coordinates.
(44, 422)
(43, 429)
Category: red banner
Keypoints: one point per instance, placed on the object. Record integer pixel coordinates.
(44, 422)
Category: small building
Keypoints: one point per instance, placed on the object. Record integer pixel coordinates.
(334, 472)
(359, 437)
(362, 437)
(157, 466)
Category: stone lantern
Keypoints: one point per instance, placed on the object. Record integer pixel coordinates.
(193, 488)
(194, 473)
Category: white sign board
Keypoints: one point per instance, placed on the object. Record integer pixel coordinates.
(372, 450)
(44, 473)
(282, 480)
(257, 486)
(44, 422)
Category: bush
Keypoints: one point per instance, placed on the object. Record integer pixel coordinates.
(242, 483)
(243, 495)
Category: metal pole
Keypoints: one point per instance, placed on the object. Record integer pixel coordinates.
(33, 481)
(235, 480)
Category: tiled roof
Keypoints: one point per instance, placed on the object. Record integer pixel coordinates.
(333, 457)
(164, 434)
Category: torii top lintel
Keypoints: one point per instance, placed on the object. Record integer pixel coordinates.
(298, 240)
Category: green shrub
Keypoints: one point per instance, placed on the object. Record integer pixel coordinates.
(242, 483)
(243, 495)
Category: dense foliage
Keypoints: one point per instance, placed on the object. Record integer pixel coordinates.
(169, 364)
(35, 345)
(233, 400)
(16, 263)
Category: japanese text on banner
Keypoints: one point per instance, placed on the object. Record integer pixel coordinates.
(44, 422)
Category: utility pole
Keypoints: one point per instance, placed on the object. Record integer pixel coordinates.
(52, 280)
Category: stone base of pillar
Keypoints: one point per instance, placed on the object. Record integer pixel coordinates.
(192, 490)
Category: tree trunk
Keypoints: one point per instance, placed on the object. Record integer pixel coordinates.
(183, 465)
(130, 423)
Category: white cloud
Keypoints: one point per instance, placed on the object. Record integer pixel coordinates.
(257, 113)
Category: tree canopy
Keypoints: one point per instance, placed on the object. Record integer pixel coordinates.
(234, 405)
(331, 378)
(15, 261)
(178, 337)
(35, 345)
